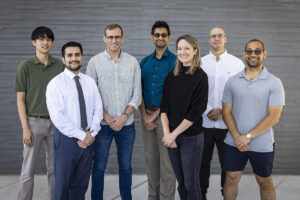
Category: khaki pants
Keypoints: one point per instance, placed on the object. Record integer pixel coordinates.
(42, 130)
(161, 178)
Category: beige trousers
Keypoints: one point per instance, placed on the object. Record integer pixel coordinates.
(161, 178)
(42, 130)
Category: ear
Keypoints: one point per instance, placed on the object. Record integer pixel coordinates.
(265, 54)
(225, 39)
(33, 43)
(123, 39)
(63, 60)
(104, 38)
(244, 55)
(152, 37)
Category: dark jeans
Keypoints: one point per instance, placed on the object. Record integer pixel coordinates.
(186, 162)
(72, 167)
(212, 136)
(124, 140)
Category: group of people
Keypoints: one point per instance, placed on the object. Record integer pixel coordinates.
(188, 105)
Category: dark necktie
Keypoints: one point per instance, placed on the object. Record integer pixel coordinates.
(81, 104)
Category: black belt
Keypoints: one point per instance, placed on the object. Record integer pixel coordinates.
(42, 117)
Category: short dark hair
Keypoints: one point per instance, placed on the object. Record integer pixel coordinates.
(42, 32)
(160, 24)
(255, 40)
(70, 44)
(113, 26)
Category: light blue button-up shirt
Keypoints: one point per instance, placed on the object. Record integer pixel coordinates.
(250, 101)
(119, 82)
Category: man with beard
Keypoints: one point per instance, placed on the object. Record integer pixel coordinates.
(252, 105)
(32, 78)
(219, 66)
(155, 67)
(118, 76)
(75, 108)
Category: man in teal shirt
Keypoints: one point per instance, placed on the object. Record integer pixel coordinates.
(32, 78)
(155, 68)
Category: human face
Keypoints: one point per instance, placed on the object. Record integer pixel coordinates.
(217, 39)
(160, 37)
(42, 45)
(113, 40)
(185, 53)
(73, 59)
(253, 60)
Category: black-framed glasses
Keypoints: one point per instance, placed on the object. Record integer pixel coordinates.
(214, 36)
(163, 35)
(111, 37)
(256, 52)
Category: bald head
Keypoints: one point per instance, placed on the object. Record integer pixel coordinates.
(217, 39)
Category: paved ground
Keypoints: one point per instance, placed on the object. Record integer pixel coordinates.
(287, 188)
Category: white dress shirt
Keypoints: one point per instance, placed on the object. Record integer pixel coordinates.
(63, 104)
(119, 82)
(218, 73)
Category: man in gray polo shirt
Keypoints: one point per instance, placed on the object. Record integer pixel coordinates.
(252, 104)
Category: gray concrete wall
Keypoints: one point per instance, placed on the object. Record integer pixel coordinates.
(276, 22)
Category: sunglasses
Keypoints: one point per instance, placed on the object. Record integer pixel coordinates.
(256, 52)
(117, 37)
(163, 35)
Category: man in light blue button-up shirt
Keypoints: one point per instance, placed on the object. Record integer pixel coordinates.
(118, 77)
(252, 104)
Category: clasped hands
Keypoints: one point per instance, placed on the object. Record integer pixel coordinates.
(116, 123)
(215, 114)
(169, 140)
(88, 140)
(241, 142)
(148, 121)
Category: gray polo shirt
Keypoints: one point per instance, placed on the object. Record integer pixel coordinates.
(250, 100)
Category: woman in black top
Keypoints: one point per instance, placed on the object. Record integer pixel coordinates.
(184, 100)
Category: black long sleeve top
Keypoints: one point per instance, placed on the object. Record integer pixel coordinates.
(185, 97)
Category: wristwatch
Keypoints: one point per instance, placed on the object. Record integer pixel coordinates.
(127, 115)
(249, 136)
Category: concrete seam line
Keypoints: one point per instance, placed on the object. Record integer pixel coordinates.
(138, 185)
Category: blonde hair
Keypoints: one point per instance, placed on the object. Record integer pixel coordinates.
(196, 60)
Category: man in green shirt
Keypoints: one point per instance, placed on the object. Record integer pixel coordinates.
(32, 78)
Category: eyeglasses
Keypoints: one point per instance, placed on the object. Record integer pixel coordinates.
(163, 35)
(256, 52)
(117, 37)
(214, 36)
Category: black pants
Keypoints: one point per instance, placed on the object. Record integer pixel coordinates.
(186, 163)
(212, 136)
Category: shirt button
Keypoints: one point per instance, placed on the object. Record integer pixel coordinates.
(152, 83)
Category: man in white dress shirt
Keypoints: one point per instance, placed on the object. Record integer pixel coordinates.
(219, 67)
(75, 107)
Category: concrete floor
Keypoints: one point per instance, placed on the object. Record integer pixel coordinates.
(287, 188)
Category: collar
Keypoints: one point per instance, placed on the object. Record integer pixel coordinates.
(109, 56)
(221, 56)
(263, 74)
(71, 75)
(165, 54)
(37, 61)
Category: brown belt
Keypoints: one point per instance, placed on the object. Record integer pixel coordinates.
(152, 108)
(42, 117)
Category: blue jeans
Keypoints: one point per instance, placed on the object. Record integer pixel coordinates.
(124, 141)
(186, 163)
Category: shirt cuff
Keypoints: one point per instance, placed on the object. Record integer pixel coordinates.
(81, 135)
